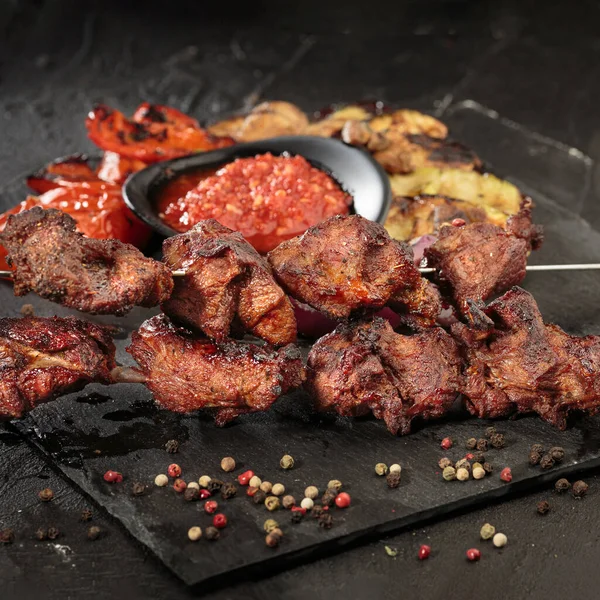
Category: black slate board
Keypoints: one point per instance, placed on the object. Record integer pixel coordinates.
(123, 424)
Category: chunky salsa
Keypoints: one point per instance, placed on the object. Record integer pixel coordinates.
(267, 198)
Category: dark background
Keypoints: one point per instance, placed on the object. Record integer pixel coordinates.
(535, 63)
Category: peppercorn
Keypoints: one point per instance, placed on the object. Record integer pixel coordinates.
(471, 444)
(245, 477)
(335, 484)
(174, 471)
(194, 485)
(46, 495)
(537, 448)
(113, 477)
(449, 474)
(463, 463)
(482, 445)
(446, 443)
(326, 520)
(204, 494)
(286, 462)
(487, 467)
(535, 458)
(477, 465)
(297, 516)
(191, 494)
(86, 514)
(172, 446)
(53, 533)
(497, 441)
(228, 464)
(272, 503)
(547, 462)
(228, 490)
(499, 540)
(278, 489)
(316, 511)
(259, 497)
(424, 552)
(255, 482)
(444, 462)
(161, 480)
(41, 534)
(562, 485)
(393, 480)
(220, 521)
(204, 481)
(478, 473)
(478, 457)
(210, 507)
(506, 474)
(342, 500)
(490, 431)
(580, 489)
(311, 492)
(543, 507)
(214, 486)
(266, 487)
(194, 533)
(308, 503)
(7, 536)
(179, 485)
(288, 501)
(473, 554)
(272, 540)
(469, 456)
(138, 489)
(328, 498)
(212, 533)
(94, 533)
(487, 531)
(251, 491)
(395, 468)
(557, 453)
(270, 524)
(462, 474)
(381, 469)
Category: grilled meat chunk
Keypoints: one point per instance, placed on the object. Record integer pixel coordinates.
(368, 367)
(477, 260)
(518, 364)
(41, 359)
(186, 372)
(56, 262)
(347, 265)
(226, 279)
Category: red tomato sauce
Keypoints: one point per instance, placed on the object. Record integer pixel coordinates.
(267, 198)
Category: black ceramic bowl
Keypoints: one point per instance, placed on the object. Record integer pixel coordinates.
(355, 170)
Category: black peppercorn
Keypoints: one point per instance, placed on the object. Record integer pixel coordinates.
(138, 489)
(297, 516)
(86, 515)
(543, 507)
(537, 448)
(46, 495)
(535, 458)
(94, 533)
(214, 486)
(557, 453)
(316, 511)
(228, 490)
(53, 533)
(211, 533)
(490, 431)
(41, 534)
(487, 467)
(172, 446)
(562, 485)
(497, 440)
(325, 520)
(259, 497)
(328, 498)
(580, 489)
(471, 444)
(482, 445)
(547, 462)
(191, 494)
(479, 457)
(7, 536)
(393, 480)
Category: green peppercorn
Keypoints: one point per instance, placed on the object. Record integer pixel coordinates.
(487, 532)
(270, 524)
(449, 474)
(381, 469)
(272, 503)
(286, 462)
(335, 484)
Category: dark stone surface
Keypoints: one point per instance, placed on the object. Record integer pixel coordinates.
(535, 65)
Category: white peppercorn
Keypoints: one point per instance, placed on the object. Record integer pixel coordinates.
(228, 464)
(278, 489)
(255, 481)
(161, 480)
(266, 487)
(478, 473)
(204, 481)
(194, 533)
(499, 540)
(395, 468)
(307, 503)
(462, 474)
(311, 492)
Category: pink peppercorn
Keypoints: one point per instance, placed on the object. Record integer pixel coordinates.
(113, 477)
(299, 509)
(424, 552)
(219, 520)
(446, 443)
(179, 485)
(210, 506)
(174, 470)
(251, 491)
(506, 474)
(204, 494)
(244, 478)
(342, 500)
(458, 222)
(469, 456)
(473, 554)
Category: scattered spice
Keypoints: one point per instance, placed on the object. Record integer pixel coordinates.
(286, 462)
(473, 554)
(7, 536)
(255, 482)
(113, 477)
(580, 489)
(228, 464)
(500, 540)
(179, 485)
(53, 533)
(482, 445)
(172, 446)
(245, 477)
(462, 474)
(220, 521)
(325, 520)
(506, 474)
(272, 503)
(266, 487)
(259, 497)
(311, 492)
(308, 503)
(562, 485)
(381, 469)
(288, 501)
(449, 474)
(328, 498)
(161, 480)
(557, 453)
(212, 533)
(497, 441)
(46, 495)
(194, 533)
(93, 533)
(41, 534)
(174, 470)
(390, 551)
(228, 490)
(138, 489)
(547, 462)
(204, 481)
(342, 500)
(86, 514)
(471, 444)
(487, 467)
(478, 473)
(270, 524)
(210, 507)
(446, 443)
(393, 480)
(334, 484)
(395, 468)
(490, 431)
(424, 552)
(543, 507)
(191, 494)
(214, 486)
(444, 462)
(278, 489)
(487, 532)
